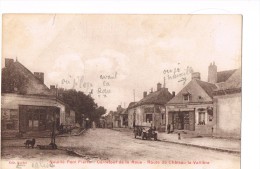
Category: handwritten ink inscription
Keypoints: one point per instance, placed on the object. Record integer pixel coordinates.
(105, 90)
(80, 82)
(42, 164)
(178, 73)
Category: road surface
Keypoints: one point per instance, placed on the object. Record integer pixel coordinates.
(107, 144)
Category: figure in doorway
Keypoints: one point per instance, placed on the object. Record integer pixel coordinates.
(168, 128)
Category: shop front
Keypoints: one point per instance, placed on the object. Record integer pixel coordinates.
(182, 119)
(197, 118)
(38, 118)
(22, 114)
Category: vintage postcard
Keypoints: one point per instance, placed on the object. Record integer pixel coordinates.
(121, 91)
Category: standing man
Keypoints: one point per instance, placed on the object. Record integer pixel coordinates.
(168, 128)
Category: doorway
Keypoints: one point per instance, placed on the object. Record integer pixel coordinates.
(181, 120)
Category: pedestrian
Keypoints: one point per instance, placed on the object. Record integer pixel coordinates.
(61, 127)
(172, 127)
(168, 128)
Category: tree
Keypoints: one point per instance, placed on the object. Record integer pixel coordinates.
(82, 104)
(95, 116)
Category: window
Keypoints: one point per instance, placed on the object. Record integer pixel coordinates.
(186, 97)
(163, 119)
(13, 114)
(149, 118)
(10, 125)
(210, 113)
(33, 121)
(201, 118)
(210, 117)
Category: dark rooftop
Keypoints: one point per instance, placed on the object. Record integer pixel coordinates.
(207, 87)
(234, 81)
(161, 96)
(223, 76)
(16, 78)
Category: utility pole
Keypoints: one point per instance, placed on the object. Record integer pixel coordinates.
(53, 142)
(164, 83)
(134, 95)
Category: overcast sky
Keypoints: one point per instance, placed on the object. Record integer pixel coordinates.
(134, 48)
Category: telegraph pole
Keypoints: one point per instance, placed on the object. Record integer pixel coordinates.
(134, 95)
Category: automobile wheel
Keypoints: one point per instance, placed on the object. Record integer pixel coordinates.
(155, 137)
(142, 135)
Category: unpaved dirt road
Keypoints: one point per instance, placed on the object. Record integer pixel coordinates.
(107, 144)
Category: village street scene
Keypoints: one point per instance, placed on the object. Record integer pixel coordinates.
(146, 107)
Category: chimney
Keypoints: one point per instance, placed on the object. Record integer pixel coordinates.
(39, 75)
(159, 86)
(145, 94)
(8, 62)
(53, 89)
(119, 107)
(212, 73)
(195, 75)
(173, 94)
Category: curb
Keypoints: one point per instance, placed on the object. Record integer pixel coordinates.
(198, 146)
(22, 138)
(204, 147)
(78, 134)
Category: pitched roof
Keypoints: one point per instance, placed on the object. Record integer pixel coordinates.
(200, 91)
(233, 82)
(132, 104)
(16, 78)
(222, 76)
(159, 97)
(207, 87)
(124, 111)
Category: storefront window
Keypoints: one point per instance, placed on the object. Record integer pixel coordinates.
(30, 123)
(201, 118)
(210, 117)
(9, 119)
(149, 118)
(13, 114)
(210, 113)
(163, 119)
(10, 125)
(36, 123)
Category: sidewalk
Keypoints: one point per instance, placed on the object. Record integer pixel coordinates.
(219, 144)
(46, 134)
(212, 143)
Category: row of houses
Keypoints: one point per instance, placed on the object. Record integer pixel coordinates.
(118, 118)
(210, 107)
(27, 105)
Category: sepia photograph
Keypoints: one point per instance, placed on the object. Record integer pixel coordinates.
(153, 90)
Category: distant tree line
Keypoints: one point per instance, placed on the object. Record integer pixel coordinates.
(83, 105)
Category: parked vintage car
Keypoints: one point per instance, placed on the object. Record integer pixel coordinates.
(145, 132)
